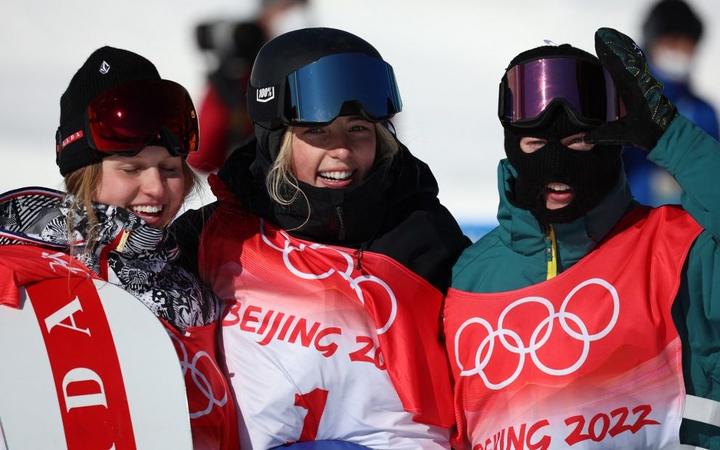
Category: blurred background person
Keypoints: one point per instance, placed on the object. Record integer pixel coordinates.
(230, 48)
(671, 33)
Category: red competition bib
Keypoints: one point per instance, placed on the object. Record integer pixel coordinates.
(212, 411)
(323, 345)
(588, 359)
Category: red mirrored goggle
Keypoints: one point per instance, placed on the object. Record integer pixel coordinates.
(133, 115)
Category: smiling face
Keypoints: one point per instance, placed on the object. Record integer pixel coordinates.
(334, 156)
(557, 195)
(151, 184)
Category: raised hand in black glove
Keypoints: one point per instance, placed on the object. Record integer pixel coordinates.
(648, 111)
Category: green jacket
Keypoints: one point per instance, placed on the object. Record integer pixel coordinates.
(514, 255)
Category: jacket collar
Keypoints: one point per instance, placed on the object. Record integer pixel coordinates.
(350, 217)
(39, 216)
(520, 230)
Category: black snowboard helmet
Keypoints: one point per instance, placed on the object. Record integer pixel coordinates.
(311, 76)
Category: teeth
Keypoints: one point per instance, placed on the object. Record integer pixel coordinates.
(337, 175)
(150, 209)
(558, 187)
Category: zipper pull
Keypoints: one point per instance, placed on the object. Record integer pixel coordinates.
(341, 228)
(123, 240)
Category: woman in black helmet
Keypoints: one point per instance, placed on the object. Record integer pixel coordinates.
(332, 251)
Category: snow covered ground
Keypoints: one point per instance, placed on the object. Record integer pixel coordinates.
(448, 58)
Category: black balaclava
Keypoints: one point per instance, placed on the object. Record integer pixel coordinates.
(591, 174)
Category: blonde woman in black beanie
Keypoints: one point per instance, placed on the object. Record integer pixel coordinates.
(121, 146)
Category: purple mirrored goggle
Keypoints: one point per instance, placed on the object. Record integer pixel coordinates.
(583, 88)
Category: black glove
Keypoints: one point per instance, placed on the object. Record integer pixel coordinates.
(648, 111)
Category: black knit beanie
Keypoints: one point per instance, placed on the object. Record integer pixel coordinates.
(106, 68)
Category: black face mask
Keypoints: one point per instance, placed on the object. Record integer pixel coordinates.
(590, 174)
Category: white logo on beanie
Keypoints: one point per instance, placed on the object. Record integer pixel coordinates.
(104, 68)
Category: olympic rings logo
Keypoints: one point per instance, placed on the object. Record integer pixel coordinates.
(201, 381)
(346, 274)
(539, 337)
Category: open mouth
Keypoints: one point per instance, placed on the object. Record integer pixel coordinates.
(336, 175)
(336, 179)
(558, 195)
(558, 188)
(147, 209)
(151, 214)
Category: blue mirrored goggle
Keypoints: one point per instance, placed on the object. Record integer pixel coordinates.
(341, 84)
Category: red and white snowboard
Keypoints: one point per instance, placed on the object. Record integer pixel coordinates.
(86, 366)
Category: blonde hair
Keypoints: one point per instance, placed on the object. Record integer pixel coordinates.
(83, 184)
(281, 183)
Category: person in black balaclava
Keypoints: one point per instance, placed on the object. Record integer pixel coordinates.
(563, 178)
(333, 253)
(582, 306)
